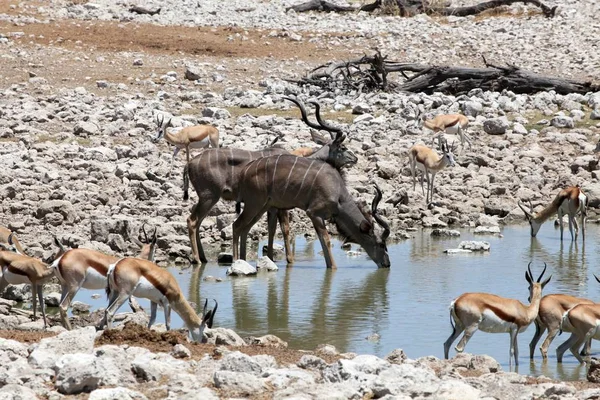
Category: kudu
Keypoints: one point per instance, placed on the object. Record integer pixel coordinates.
(215, 174)
(286, 182)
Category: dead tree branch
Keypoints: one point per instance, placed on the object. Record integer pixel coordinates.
(372, 73)
(413, 7)
(143, 10)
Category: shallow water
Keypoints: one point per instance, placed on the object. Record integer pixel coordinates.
(407, 305)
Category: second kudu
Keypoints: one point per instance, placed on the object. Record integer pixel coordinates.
(215, 174)
(286, 182)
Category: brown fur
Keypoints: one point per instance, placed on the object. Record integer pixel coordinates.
(570, 193)
(5, 233)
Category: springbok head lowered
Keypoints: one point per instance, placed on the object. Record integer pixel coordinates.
(530, 216)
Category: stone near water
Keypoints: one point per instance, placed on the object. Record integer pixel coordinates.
(264, 263)
(225, 258)
(474, 245)
(241, 268)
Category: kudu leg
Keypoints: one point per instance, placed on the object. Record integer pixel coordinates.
(272, 228)
(321, 229)
(242, 225)
(284, 223)
(199, 212)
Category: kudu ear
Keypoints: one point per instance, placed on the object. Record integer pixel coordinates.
(318, 138)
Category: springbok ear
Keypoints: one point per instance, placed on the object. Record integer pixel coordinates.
(366, 226)
(546, 281)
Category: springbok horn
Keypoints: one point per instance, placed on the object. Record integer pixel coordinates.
(154, 235)
(596, 276)
(542, 274)
(204, 308)
(211, 318)
(522, 207)
(145, 234)
(529, 272)
(59, 244)
(530, 207)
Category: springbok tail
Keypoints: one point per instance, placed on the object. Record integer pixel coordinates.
(186, 182)
(452, 315)
(564, 320)
(109, 275)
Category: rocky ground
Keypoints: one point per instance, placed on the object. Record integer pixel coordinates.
(81, 83)
(132, 362)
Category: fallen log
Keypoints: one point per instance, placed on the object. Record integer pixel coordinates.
(407, 8)
(371, 73)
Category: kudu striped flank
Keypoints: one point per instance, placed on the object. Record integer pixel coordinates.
(215, 174)
(286, 182)
(570, 201)
(494, 314)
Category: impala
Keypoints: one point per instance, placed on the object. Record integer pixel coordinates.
(87, 269)
(570, 201)
(582, 321)
(494, 314)
(429, 163)
(142, 278)
(552, 309)
(5, 233)
(454, 124)
(18, 269)
(215, 174)
(286, 181)
(190, 137)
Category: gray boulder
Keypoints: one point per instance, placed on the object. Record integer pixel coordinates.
(474, 246)
(238, 382)
(562, 121)
(223, 336)
(264, 263)
(117, 393)
(49, 350)
(496, 126)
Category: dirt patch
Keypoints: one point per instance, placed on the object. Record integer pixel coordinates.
(129, 36)
(25, 336)
(137, 335)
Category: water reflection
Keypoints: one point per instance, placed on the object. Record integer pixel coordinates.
(407, 305)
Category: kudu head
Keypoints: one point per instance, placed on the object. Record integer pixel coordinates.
(375, 245)
(148, 246)
(207, 317)
(333, 150)
(530, 216)
(162, 127)
(536, 287)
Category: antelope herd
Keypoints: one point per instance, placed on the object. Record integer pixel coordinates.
(274, 181)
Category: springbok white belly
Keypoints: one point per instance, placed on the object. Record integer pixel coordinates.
(14, 279)
(94, 280)
(202, 144)
(491, 323)
(453, 130)
(146, 290)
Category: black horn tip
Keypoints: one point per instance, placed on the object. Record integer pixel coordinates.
(543, 271)
(596, 276)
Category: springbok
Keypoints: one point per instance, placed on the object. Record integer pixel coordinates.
(19, 268)
(494, 314)
(87, 269)
(285, 182)
(144, 279)
(453, 124)
(215, 174)
(190, 137)
(570, 201)
(552, 309)
(582, 320)
(429, 163)
(5, 233)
